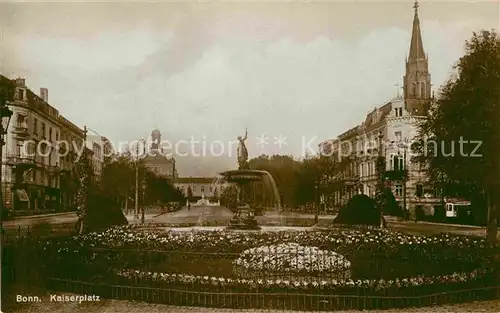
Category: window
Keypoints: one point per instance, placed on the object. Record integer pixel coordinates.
(399, 191)
(398, 135)
(43, 130)
(194, 188)
(35, 126)
(399, 111)
(422, 91)
(18, 148)
(202, 188)
(21, 120)
(211, 189)
(420, 190)
(395, 163)
(50, 133)
(20, 94)
(401, 164)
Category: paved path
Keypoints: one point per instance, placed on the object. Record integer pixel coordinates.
(63, 218)
(122, 306)
(201, 215)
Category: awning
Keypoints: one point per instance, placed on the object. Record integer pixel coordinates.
(22, 195)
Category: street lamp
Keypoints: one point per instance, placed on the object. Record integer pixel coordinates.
(136, 204)
(405, 178)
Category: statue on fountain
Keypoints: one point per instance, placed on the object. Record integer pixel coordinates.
(248, 183)
(242, 152)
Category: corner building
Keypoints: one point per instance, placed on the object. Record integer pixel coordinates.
(388, 131)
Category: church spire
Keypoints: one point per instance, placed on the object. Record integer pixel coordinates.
(416, 46)
(417, 81)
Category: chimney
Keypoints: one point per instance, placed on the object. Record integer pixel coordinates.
(44, 94)
(20, 82)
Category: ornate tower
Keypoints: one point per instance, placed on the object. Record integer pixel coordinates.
(417, 81)
(155, 140)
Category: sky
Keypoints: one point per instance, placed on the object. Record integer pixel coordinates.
(296, 73)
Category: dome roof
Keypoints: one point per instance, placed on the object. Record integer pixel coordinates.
(155, 132)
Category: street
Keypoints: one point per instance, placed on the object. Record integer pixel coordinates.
(220, 216)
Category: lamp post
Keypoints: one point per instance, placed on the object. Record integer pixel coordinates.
(316, 214)
(136, 204)
(5, 114)
(405, 177)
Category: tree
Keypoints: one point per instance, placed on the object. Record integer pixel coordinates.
(118, 178)
(284, 169)
(160, 190)
(85, 175)
(380, 168)
(389, 204)
(460, 140)
(96, 209)
(360, 210)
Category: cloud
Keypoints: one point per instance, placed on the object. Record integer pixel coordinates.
(106, 51)
(226, 76)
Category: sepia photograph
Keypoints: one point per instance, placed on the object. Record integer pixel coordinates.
(256, 156)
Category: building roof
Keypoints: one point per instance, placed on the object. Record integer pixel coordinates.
(68, 124)
(350, 133)
(194, 180)
(378, 115)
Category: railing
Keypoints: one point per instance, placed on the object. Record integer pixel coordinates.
(396, 175)
(51, 168)
(20, 159)
(216, 279)
(20, 128)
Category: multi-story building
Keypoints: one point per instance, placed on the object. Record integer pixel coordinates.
(157, 161)
(31, 162)
(108, 152)
(200, 186)
(388, 131)
(42, 149)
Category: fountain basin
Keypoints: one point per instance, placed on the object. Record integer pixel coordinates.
(245, 210)
(242, 176)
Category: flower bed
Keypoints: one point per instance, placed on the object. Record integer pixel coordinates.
(304, 263)
(368, 261)
(404, 285)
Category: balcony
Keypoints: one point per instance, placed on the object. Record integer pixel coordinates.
(20, 130)
(396, 175)
(20, 162)
(51, 169)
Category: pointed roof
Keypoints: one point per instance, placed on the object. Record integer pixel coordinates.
(416, 46)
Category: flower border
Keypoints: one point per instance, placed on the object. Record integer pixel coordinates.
(380, 284)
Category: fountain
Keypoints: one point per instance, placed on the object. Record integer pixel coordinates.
(250, 185)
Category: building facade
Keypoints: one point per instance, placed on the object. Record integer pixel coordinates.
(102, 153)
(31, 165)
(200, 186)
(389, 131)
(39, 165)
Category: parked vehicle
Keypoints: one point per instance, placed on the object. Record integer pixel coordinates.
(454, 207)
